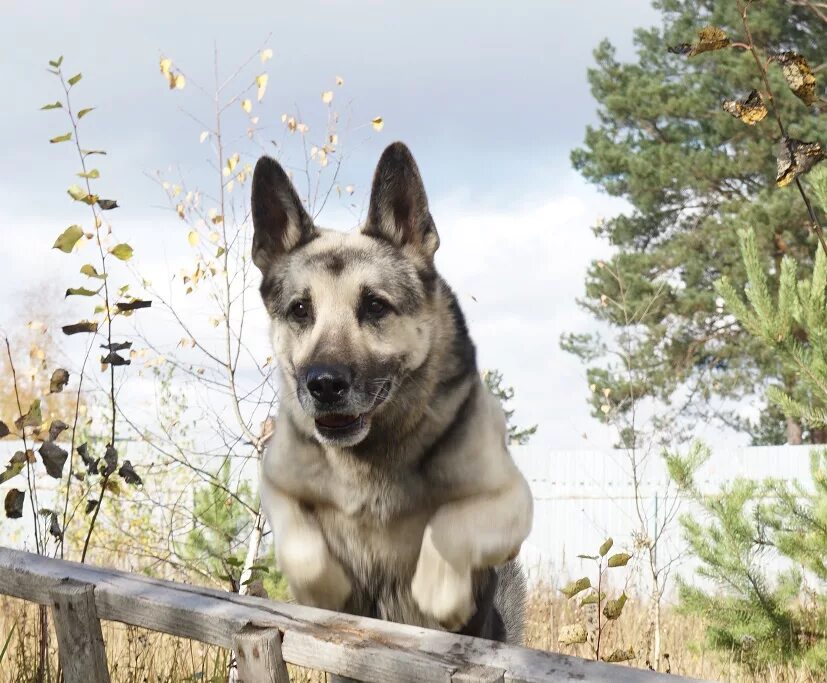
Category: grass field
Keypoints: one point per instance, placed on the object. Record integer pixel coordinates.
(139, 656)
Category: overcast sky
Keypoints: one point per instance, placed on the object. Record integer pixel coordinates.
(491, 97)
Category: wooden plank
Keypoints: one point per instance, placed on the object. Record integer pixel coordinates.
(479, 674)
(258, 656)
(364, 649)
(79, 638)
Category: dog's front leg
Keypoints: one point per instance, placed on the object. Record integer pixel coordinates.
(315, 577)
(480, 531)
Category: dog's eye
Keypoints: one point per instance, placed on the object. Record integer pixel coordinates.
(300, 310)
(375, 307)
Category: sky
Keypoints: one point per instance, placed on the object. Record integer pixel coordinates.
(490, 97)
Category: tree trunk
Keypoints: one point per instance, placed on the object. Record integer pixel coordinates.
(818, 435)
(793, 432)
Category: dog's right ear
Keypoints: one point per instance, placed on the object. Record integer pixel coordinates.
(280, 222)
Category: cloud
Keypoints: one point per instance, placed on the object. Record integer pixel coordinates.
(517, 273)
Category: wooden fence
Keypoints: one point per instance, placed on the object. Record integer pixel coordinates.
(265, 634)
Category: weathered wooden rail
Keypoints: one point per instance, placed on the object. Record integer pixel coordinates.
(266, 634)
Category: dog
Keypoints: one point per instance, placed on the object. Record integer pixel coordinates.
(387, 483)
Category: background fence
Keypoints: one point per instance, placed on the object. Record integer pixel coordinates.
(583, 497)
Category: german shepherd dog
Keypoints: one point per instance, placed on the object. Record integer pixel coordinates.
(387, 483)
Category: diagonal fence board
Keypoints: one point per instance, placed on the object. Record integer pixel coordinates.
(357, 647)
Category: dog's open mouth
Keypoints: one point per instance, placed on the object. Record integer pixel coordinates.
(341, 425)
(337, 421)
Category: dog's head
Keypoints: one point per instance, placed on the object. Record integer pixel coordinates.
(351, 313)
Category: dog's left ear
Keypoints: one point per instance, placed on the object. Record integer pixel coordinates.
(398, 209)
(280, 223)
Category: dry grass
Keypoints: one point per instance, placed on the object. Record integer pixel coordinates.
(139, 656)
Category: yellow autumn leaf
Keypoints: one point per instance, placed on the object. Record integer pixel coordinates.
(378, 123)
(232, 162)
(193, 238)
(340, 80)
(265, 55)
(247, 106)
(177, 81)
(77, 193)
(166, 65)
(261, 84)
(180, 210)
(327, 96)
(204, 135)
(214, 237)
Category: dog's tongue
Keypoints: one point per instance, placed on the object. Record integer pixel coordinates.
(336, 420)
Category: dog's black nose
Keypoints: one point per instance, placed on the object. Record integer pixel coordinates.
(328, 383)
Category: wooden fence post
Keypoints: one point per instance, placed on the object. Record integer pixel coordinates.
(80, 641)
(258, 656)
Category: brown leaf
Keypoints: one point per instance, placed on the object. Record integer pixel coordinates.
(750, 110)
(799, 76)
(709, 38)
(613, 608)
(60, 378)
(575, 587)
(90, 462)
(593, 599)
(621, 655)
(83, 326)
(56, 428)
(114, 359)
(32, 418)
(4, 429)
(129, 475)
(54, 527)
(132, 305)
(111, 460)
(796, 158)
(572, 634)
(107, 204)
(14, 504)
(91, 504)
(117, 346)
(54, 458)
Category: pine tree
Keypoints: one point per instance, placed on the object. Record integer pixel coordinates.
(694, 175)
(758, 618)
(769, 619)
(792, 324)
(516, 435)
(216, 545)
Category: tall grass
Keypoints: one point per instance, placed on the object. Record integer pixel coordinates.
(140, 656)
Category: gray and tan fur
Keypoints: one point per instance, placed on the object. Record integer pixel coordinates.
(388, 483)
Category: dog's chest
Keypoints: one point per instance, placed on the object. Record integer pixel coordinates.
(376, 526)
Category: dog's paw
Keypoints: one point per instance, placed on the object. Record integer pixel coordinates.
(441, 590)
(315, 577)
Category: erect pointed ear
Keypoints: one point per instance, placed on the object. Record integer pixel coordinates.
(398, 209)
(280, 222)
